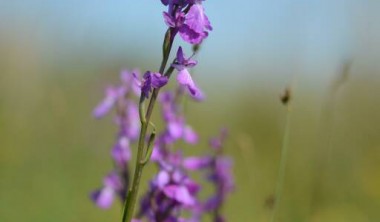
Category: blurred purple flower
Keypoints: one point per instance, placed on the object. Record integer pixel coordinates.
(171, 190)
(112, 185)
(197, 163)
(128, 120)
(121, 153)
(111, 96)
(176, 127)
(128, 82)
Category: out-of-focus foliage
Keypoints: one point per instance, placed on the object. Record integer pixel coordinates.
(52, 153)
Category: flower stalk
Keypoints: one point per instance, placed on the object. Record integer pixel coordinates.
(132, 194)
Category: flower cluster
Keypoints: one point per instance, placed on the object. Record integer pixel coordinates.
(172, 195)
(172, 191)
(120, 99)
(218, 168)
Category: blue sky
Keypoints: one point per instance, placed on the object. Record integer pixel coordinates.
(261, 33)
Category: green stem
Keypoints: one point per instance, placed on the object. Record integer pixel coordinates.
(282, 169)
(132, 194)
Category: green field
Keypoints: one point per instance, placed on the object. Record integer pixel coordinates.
(53, 153)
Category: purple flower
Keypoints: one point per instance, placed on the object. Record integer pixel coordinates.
(176, 21)
(129, 126)
(103, 197)
(220, 175)
(193, 26)
(177, 129)
(111, 96)
(196, 25)
(197, 163)
(170, 191)
(184, 78)
(129, 121)
(169, 108)
(112, 185)
(121, 152)
(151, 80)
(189, 135)
(114, 94)
(127, 78)
(176, 126)
(179, 193)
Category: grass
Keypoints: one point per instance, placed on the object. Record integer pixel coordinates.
(53, 154)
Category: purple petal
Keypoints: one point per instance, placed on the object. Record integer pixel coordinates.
(191, 63)
(184, 78)
(162, 179)
(136, 78)
(190, 36)
(175, 159)
(132, 131)
(103, 197)
(196, 25)
(180, 194)
(180, 56)
(197, 20)
(183, 196)
(158, 80)
(121, 152)
(189, 135)
(165, 2)
(196, 163)
(113, 181)
(178, 176)
(169, 20)
(175, 129)
(107, 104)
(192, 186)
(156, 154)
(134, 84)
(126, 76)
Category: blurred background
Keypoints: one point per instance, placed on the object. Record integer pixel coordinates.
(56, 57)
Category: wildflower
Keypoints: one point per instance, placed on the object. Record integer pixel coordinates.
(183, 77)
(221, 176)
(112, 185)
(193, 26)
(121, 153)
(197, 163)
(196, 25)
(128, 120)
(176, 126)
(218, 173)
(111, 96)
(151, 80)
(170, 191)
